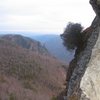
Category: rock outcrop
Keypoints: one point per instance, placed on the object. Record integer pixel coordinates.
(83, 81)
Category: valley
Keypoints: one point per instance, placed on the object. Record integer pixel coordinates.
(28, 71)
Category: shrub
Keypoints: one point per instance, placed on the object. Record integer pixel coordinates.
(2, 79)
(12, 96)
(54, 98)
(72, 37)
(29, 85)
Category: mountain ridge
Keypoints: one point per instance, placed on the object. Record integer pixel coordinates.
(36, 75)
(25, 42)
(54, 44)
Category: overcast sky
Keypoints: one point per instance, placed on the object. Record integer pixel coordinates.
(49, 16)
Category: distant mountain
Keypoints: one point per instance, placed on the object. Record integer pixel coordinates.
(51, 43)
(54, 44)
(26, 74)
(26, 42)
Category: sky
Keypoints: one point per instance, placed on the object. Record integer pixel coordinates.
(48, 16)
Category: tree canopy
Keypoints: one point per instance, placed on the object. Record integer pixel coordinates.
(72, 37)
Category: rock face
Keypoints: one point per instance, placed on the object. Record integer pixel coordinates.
(84, 81)
(90, 83)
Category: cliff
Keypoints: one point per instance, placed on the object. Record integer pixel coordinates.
(83, 82)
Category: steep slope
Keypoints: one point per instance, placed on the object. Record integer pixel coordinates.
(28, 75)
(26, 42)
(84, 82)
(90, 83)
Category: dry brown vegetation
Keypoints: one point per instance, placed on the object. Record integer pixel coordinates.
(28, 75)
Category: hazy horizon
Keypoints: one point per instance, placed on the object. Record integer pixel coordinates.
(46, 16)
(27, 33)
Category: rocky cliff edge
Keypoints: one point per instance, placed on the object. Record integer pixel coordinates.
(83, 82)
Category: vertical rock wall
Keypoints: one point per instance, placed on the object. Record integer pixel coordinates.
(90, 83)
(84, 82)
